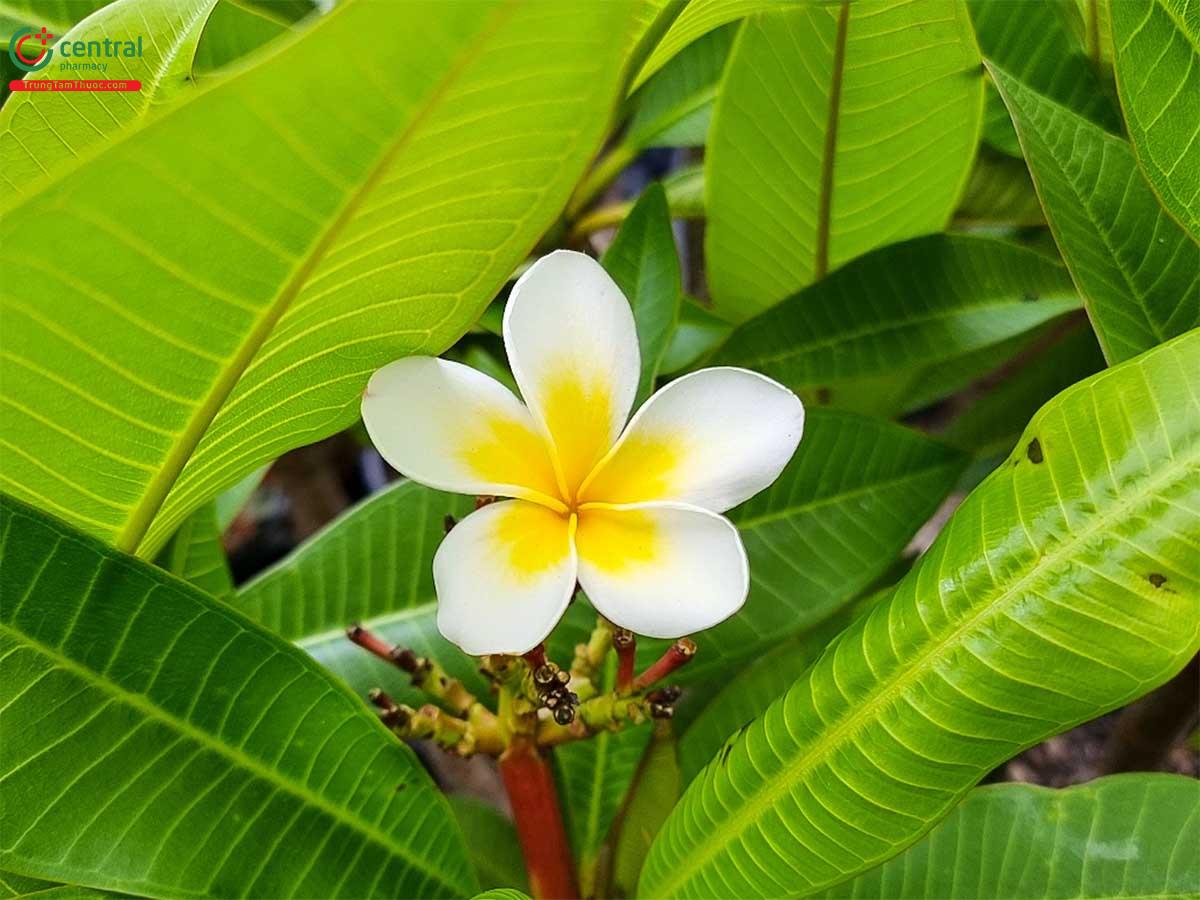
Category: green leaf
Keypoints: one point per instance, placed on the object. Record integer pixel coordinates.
(748, 694)
(58, 16)
(372, 565)
(1137, 270)
(1034, 43)
(234, 30)
(835, 519)
(1063, 587)
(1000, 191)
(653, 796)
(195, 554)
(502, 894)
(325, 218)
(491, 843)
(1157, 65)
(43, 132)
(142, 715)
(903, 306)
(992, 424)
(643, 262)
(594, 777)
(698, 333)
(839, 128)
(697, 19)
(1123, 836)
(675, 107)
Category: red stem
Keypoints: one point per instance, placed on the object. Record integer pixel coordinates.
(626, 646)
(530, 786)
(678, 654)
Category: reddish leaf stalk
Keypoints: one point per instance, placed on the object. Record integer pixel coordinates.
(678, 654)
(530, 786)
(625, 644)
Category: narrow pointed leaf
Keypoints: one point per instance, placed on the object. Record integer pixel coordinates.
(643, 262)
(1063, 587)
(1157, 64)
(1130, 836)
(1137, 270)
(325, 217)
(41, 132)
(144, 716)
(904, 306)
(839, 128)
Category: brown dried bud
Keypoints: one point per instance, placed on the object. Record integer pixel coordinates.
(661, 711)
(546, 675)
(564, 715)
(622, 638)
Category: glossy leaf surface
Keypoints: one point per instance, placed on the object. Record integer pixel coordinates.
(1063, 587)
(1137, 270)
(374, 223)
(144, 714)
(195, 554)
(839, 128)
(1123, 836)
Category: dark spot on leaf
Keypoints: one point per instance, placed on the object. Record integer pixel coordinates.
(401, 786)
(1156, 579)
(824, 395)
(1034, 451)
(1030, 297)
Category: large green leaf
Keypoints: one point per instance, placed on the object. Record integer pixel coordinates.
(652, 797)
(196, 555)
(41, 132)
(374, 565)
(904, 306)
(311, 219)
(1034, 43)
(839, 128)
(1157, 63)
(643, 262)
(1000, 191)
(1064, 586)
(853, 495)
(1138, 271)
(1129, 836)
(158, 742)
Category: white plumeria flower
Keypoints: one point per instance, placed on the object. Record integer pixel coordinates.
(631, 512)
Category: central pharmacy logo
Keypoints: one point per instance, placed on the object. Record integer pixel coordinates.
(30, 50)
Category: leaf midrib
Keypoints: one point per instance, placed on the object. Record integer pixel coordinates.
(865, 710)
(155, 494)
(235, 754)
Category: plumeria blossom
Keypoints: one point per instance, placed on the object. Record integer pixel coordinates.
(630, 511)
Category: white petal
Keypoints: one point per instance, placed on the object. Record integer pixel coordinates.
(661, 569)
(451, 427)
(712, 439)
(573, 349)
(504, 576)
